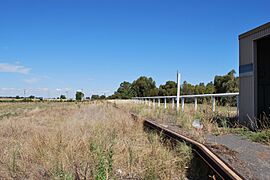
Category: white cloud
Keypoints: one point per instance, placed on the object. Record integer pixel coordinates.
(11, 68)
(31, 80)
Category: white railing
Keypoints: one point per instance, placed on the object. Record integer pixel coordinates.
(152, 100)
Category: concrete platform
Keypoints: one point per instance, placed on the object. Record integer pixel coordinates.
(250, 159)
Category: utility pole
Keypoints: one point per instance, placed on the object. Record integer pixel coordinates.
(178, 91)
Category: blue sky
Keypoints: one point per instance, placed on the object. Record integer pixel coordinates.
(50, 47)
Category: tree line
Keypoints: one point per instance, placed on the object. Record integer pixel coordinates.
(146, 86)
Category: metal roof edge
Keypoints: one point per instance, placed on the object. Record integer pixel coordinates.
(255, 30)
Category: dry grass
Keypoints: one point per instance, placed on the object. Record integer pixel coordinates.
(213, 122)
(223, 121)
(82, 141)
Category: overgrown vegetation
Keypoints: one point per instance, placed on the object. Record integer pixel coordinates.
(83, 141)
(215, 123)
(261, 136)
(144, 86)
(221, 122)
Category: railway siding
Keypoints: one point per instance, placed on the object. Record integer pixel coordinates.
(222, 168)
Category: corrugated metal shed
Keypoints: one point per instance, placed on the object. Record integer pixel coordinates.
(253, 61)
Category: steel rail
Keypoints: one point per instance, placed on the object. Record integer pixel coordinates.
(221, 168)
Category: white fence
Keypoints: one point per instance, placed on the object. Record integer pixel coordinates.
(156, 99)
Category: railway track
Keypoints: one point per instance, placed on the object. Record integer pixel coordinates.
(221, 169)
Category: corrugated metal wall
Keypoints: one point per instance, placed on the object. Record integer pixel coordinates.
(248, 71)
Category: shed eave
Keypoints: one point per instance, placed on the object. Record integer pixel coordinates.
(255, 30)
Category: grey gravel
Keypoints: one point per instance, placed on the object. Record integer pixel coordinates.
(250, 159)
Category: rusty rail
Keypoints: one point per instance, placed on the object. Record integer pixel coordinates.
(221, 168)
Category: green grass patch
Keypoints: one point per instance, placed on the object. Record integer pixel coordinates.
(262, 136)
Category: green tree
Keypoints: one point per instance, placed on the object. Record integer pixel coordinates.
(102, 97)
(168, 89)
(144, 86)
(125, 91)
(63, 97)
(187, 88)
(79, 96)
(94, 97)
(113, 96)
(199, 89)
(227, 83)
(154, 92)
(210, 88)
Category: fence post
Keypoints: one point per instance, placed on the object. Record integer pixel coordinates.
(213, 103)
(149, 102)
(154, 103)
(158, 102)
(165, 103)
(183, 104)
(178, 91)
(237, 104)
(173, 103)
(195, 104)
